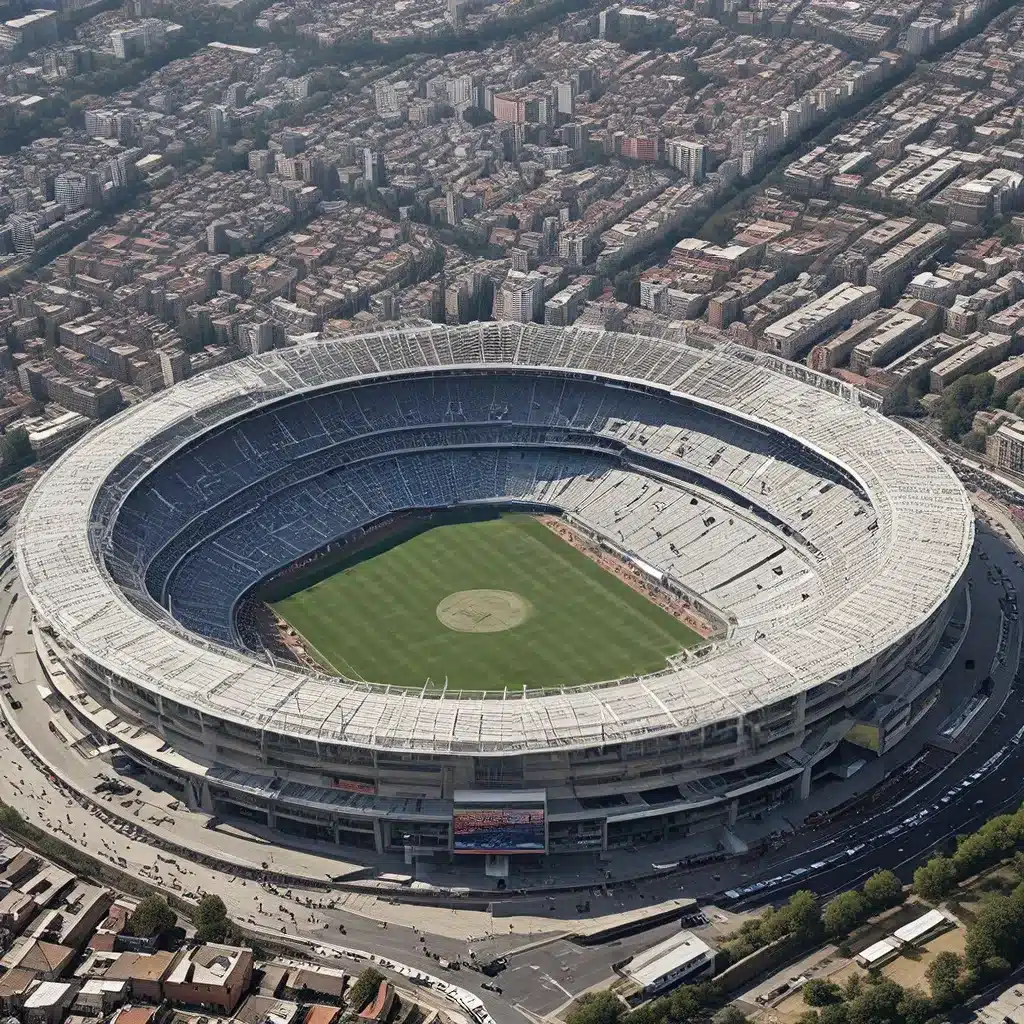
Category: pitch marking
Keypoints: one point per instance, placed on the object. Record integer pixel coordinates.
(483, 611)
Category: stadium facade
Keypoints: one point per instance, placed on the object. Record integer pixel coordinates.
(828, 543)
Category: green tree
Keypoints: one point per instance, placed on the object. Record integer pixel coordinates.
(1018, 864)
(819, 992)
(988, 845)
(883, 890)
(151, 917)
(10, 818)
(961, 400)
(914, 1008)
(477, 116)
(683, 1004)
(15, 450)
(943, 976)
(804, 916)
(834, 1014)
(844, 913)
(366, 985)
(997, 931)
(729, 1015)
(997, 966)
(936, 879)
(211, 919)
(974, 439)
(627, 287)
(878, 1003)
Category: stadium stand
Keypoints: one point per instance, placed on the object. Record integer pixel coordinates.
(831, 543)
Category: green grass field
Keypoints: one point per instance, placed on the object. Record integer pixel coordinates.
(377, 617)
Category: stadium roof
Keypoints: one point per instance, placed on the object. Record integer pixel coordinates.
(925, 527)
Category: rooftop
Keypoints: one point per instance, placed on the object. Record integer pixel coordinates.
(650, 966)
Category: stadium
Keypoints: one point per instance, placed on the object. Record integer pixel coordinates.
(495, 588)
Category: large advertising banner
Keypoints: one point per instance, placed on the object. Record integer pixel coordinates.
(498, 829)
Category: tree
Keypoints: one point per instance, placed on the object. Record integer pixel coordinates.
(883, 890)
(729, 1015)
(962, 400)
(477, 116)
(974, 439)
(914, 1008)
(366, 985)
(878, 1003)
(996, 966)
(683, 1004)
(936, 879)
(151, 917)
(987, 846)
(834, 1014)
(943, 976)
(818, 992)
(853, 987)
(15, 450)
(211, 919)
(804, 916)
(997, 931)
(627, 287)
(10, 818)
(844, 913)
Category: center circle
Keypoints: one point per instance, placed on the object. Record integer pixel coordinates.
(483, 611)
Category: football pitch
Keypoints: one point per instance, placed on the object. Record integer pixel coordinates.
(486, 604)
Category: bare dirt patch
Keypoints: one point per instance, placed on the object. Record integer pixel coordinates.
(483, 611)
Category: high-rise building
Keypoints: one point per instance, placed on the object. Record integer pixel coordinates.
(23, 231)
(122, 170)
(71, 189)
(687, 156)
(453, 208)
(565, 98)
(576, 136)
(373, 168)
(174, 366)
(109, 124)
(120, 39)
(217, 119)
(255, 338)
(390, 97)
(460, 90)
(520, 297)
(639, 147)
(922, 35)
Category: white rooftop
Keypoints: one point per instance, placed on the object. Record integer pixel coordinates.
(649, 967)
(877, 951)
(47, 993)
(924, 924)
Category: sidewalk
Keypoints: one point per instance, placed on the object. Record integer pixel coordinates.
(996, 511)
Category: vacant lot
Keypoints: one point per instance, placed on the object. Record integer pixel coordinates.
(485, 605)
